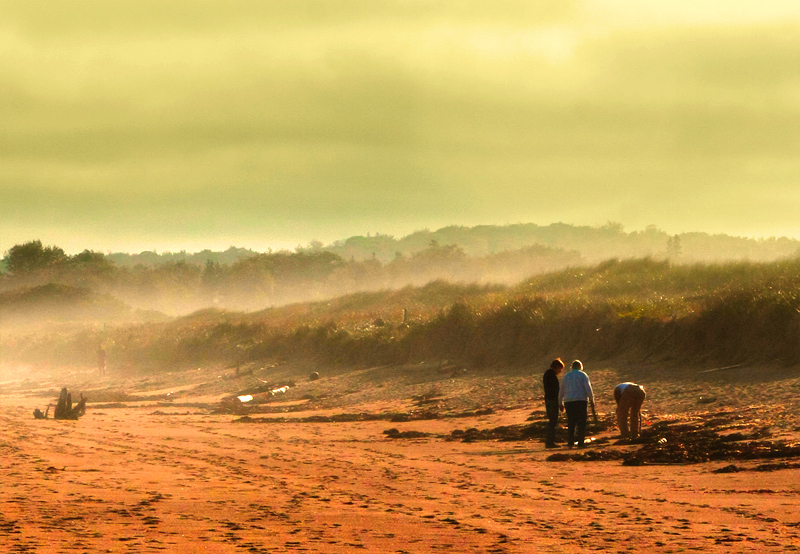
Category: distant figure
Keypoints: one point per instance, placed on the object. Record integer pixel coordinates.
(101, 359)
(551, 388)
(574, 397)
(629, 398)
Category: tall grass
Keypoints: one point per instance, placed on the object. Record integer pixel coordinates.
(637, 309)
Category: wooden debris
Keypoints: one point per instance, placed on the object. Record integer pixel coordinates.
(64, 408)
(720, 368)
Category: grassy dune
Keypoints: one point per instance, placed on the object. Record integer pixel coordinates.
(639, 309)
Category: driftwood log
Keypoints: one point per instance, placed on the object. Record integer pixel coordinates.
(65, 409)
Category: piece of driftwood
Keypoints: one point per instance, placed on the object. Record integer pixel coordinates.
(720, 368)
(65, 409)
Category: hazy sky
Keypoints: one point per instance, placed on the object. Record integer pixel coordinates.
(169, 125)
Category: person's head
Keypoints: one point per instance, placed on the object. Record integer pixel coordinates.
(557, 365)
(577, 365)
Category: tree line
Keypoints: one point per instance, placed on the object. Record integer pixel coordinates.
(265, 279)
(242, 279)
(594, 244)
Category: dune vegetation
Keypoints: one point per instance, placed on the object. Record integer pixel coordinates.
(637, 309)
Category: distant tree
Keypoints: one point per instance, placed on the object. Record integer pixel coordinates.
(363, 248)
(175, 284)
(315, 246)
(179, 275)
(250, 280)
(674, 247)
(613, 228)
(89, 257)
(303, 266)
(212, 274)
(434, 262)
(87, 269)
(32, 256)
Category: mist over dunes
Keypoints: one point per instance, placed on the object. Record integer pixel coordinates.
(437, 303)
(242, 279)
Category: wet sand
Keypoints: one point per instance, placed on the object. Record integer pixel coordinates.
(174, 476)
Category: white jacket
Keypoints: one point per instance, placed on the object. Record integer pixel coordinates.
(575, 386)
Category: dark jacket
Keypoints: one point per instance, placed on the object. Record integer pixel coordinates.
(550, 381)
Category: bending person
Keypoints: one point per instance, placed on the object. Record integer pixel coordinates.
(629, 398)
(574, 397)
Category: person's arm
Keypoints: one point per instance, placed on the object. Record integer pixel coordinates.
(590, 396)
(547, 382)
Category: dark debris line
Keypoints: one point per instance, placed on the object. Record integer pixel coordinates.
(691, 441)
(663, 443)
(666, 443)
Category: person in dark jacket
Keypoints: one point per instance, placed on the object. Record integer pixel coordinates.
(550, 382)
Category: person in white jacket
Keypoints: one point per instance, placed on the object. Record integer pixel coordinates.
(574, 397)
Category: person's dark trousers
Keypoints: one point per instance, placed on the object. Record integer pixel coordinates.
(576, 421)
(551, 405)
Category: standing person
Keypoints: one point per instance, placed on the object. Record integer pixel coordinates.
(629, 398)
(574, 397)
(551, 388)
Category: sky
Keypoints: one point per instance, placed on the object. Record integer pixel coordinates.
(175, 125)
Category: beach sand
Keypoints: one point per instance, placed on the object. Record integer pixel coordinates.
(314, 470)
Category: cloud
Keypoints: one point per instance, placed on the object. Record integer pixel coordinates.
(283, 116)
